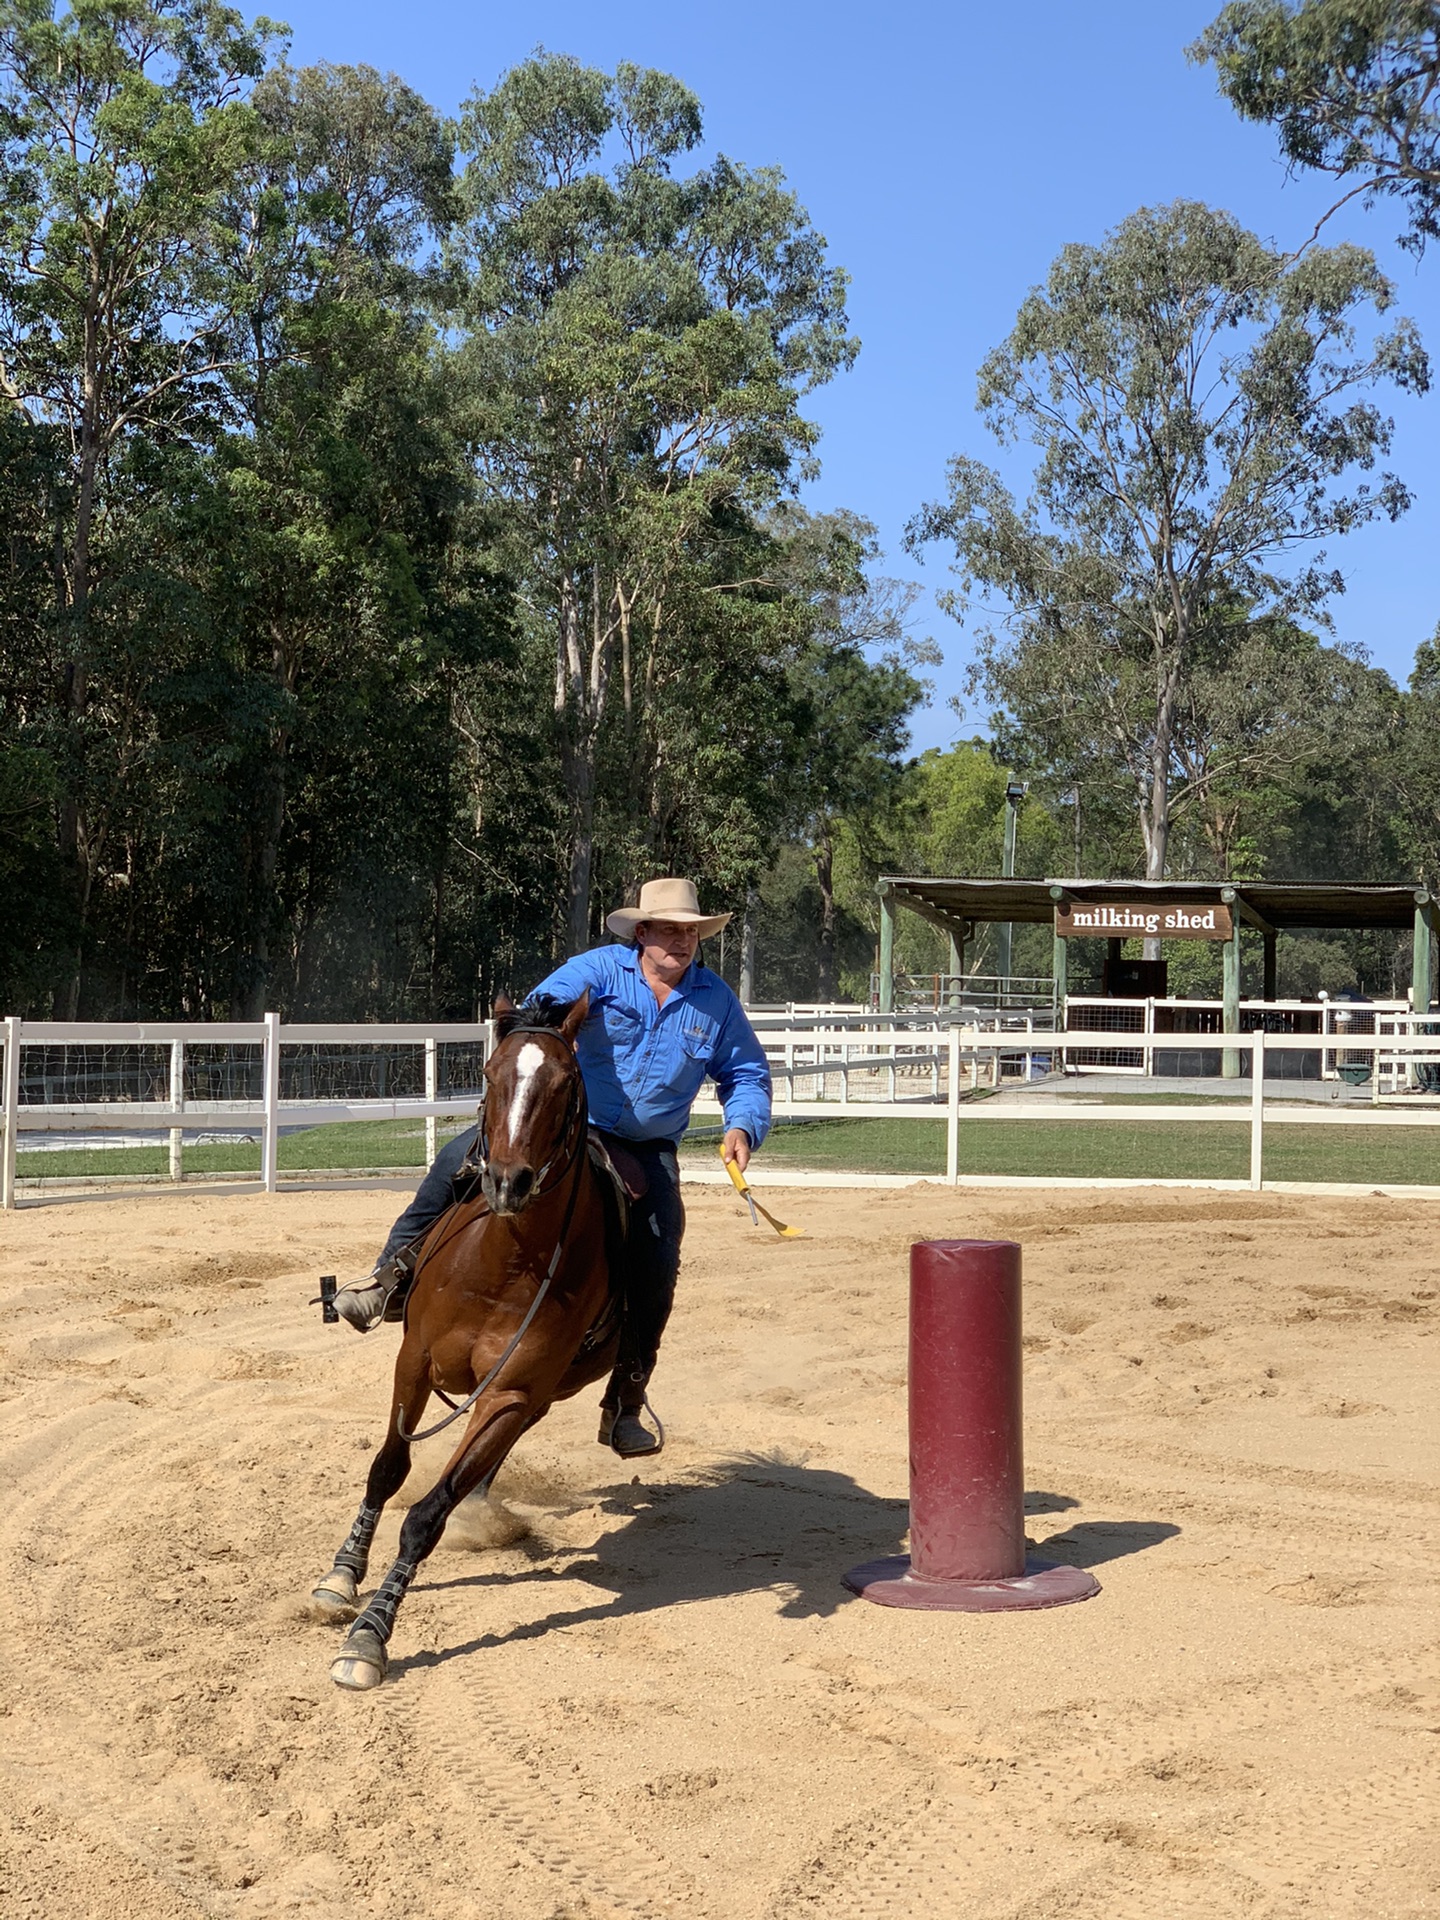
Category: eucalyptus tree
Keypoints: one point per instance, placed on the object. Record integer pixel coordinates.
(1412, 769)
(854, 687)
(1200, 408)
(1350, 86)
(327, 528)
(636, 346)
(122, 122)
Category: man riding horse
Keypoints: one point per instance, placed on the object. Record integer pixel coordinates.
(658, 1024)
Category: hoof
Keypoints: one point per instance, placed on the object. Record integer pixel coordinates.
(361, 1662)
(335, 1597)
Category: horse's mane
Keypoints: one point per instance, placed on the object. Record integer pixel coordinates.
(540, 1012)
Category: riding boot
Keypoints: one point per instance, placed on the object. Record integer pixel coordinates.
(381, 1295)
(620, 1424)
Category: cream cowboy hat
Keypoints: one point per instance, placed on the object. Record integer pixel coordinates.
(673, 900)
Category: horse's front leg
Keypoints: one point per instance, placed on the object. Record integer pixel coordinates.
(337, 1595)
(362, 1661)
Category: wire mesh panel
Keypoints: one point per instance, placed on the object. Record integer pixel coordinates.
(1110, 1016)
(75, 1076)
(329, 1072)
(460, 1069)
(233, 1071)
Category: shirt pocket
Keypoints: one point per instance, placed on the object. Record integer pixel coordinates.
(622, 1026)
(698, 1034)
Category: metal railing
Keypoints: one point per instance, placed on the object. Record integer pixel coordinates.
(952, 992)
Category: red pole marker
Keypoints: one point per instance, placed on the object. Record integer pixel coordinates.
(967, 1481)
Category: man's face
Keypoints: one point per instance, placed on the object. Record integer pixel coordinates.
(666, 948)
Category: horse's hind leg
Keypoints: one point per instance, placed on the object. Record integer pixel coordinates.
(337, 1594)
(362, 1661)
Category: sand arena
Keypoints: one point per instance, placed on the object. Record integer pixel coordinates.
(623, 1693)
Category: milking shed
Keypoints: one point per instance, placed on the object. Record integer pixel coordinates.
(1161, 911)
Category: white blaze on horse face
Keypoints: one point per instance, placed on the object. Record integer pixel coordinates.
(531, 1059)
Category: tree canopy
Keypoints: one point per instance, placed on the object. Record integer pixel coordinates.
(1201, 412)
(1350, 86)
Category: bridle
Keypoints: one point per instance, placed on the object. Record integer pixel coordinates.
(576, 1108)
(577, 1111)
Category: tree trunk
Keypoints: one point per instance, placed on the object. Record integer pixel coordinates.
(747, 946)
(76, 844)
(824, 854)
(1155, 813)
(580, 783)
(256, 964)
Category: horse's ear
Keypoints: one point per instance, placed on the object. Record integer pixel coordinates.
(503, 1005)
(575, 1018)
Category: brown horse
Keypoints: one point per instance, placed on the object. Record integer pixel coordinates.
(512, 1307)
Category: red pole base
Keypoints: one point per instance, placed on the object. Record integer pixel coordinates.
(890, 1583)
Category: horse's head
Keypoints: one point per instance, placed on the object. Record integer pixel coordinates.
(533, 1099)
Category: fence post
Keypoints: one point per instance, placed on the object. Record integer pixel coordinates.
(432, 1082)
(12, 1111)
(952, 1112)
(1257, 1110)
(270, 1137)
(177, 1101)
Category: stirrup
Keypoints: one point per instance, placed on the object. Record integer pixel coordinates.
(362, 1303)
(625, 1433)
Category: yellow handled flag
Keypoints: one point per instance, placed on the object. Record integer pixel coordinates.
(742, 1187)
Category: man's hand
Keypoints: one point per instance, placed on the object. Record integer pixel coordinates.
(736, 1148)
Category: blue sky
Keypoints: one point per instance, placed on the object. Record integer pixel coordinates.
(947, 153)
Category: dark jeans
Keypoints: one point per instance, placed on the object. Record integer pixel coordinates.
(652, 1246)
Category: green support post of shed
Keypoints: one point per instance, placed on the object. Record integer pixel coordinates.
(957, 967)
(1422, 954)
(887, 948)
(1230, 1063)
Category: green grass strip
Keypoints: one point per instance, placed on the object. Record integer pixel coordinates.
(1069, 1149)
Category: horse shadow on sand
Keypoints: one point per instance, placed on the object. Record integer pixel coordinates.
(749, 1524)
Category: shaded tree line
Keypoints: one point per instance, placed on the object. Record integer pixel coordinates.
(402, 554)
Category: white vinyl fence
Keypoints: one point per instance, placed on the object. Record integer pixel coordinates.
(233, 1076)
(262, 1077)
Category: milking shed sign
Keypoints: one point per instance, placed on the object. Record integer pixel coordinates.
(1138, 919)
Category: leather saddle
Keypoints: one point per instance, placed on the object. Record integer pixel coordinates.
(620, 1166)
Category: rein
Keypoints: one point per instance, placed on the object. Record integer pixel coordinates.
(577, 1110)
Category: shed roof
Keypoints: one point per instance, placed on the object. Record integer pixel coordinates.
(1283, 906)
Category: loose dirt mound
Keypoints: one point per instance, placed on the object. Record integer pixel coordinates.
(646, 1694)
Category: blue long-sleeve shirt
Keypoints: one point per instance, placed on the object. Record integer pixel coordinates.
(643, 1064)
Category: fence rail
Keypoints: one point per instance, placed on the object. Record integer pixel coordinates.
(143, 1097)
(902, 1072)
(1135, 1037)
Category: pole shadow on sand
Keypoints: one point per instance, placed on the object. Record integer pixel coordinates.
(749, 1524)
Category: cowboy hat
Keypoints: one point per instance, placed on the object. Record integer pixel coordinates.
(673, 900)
